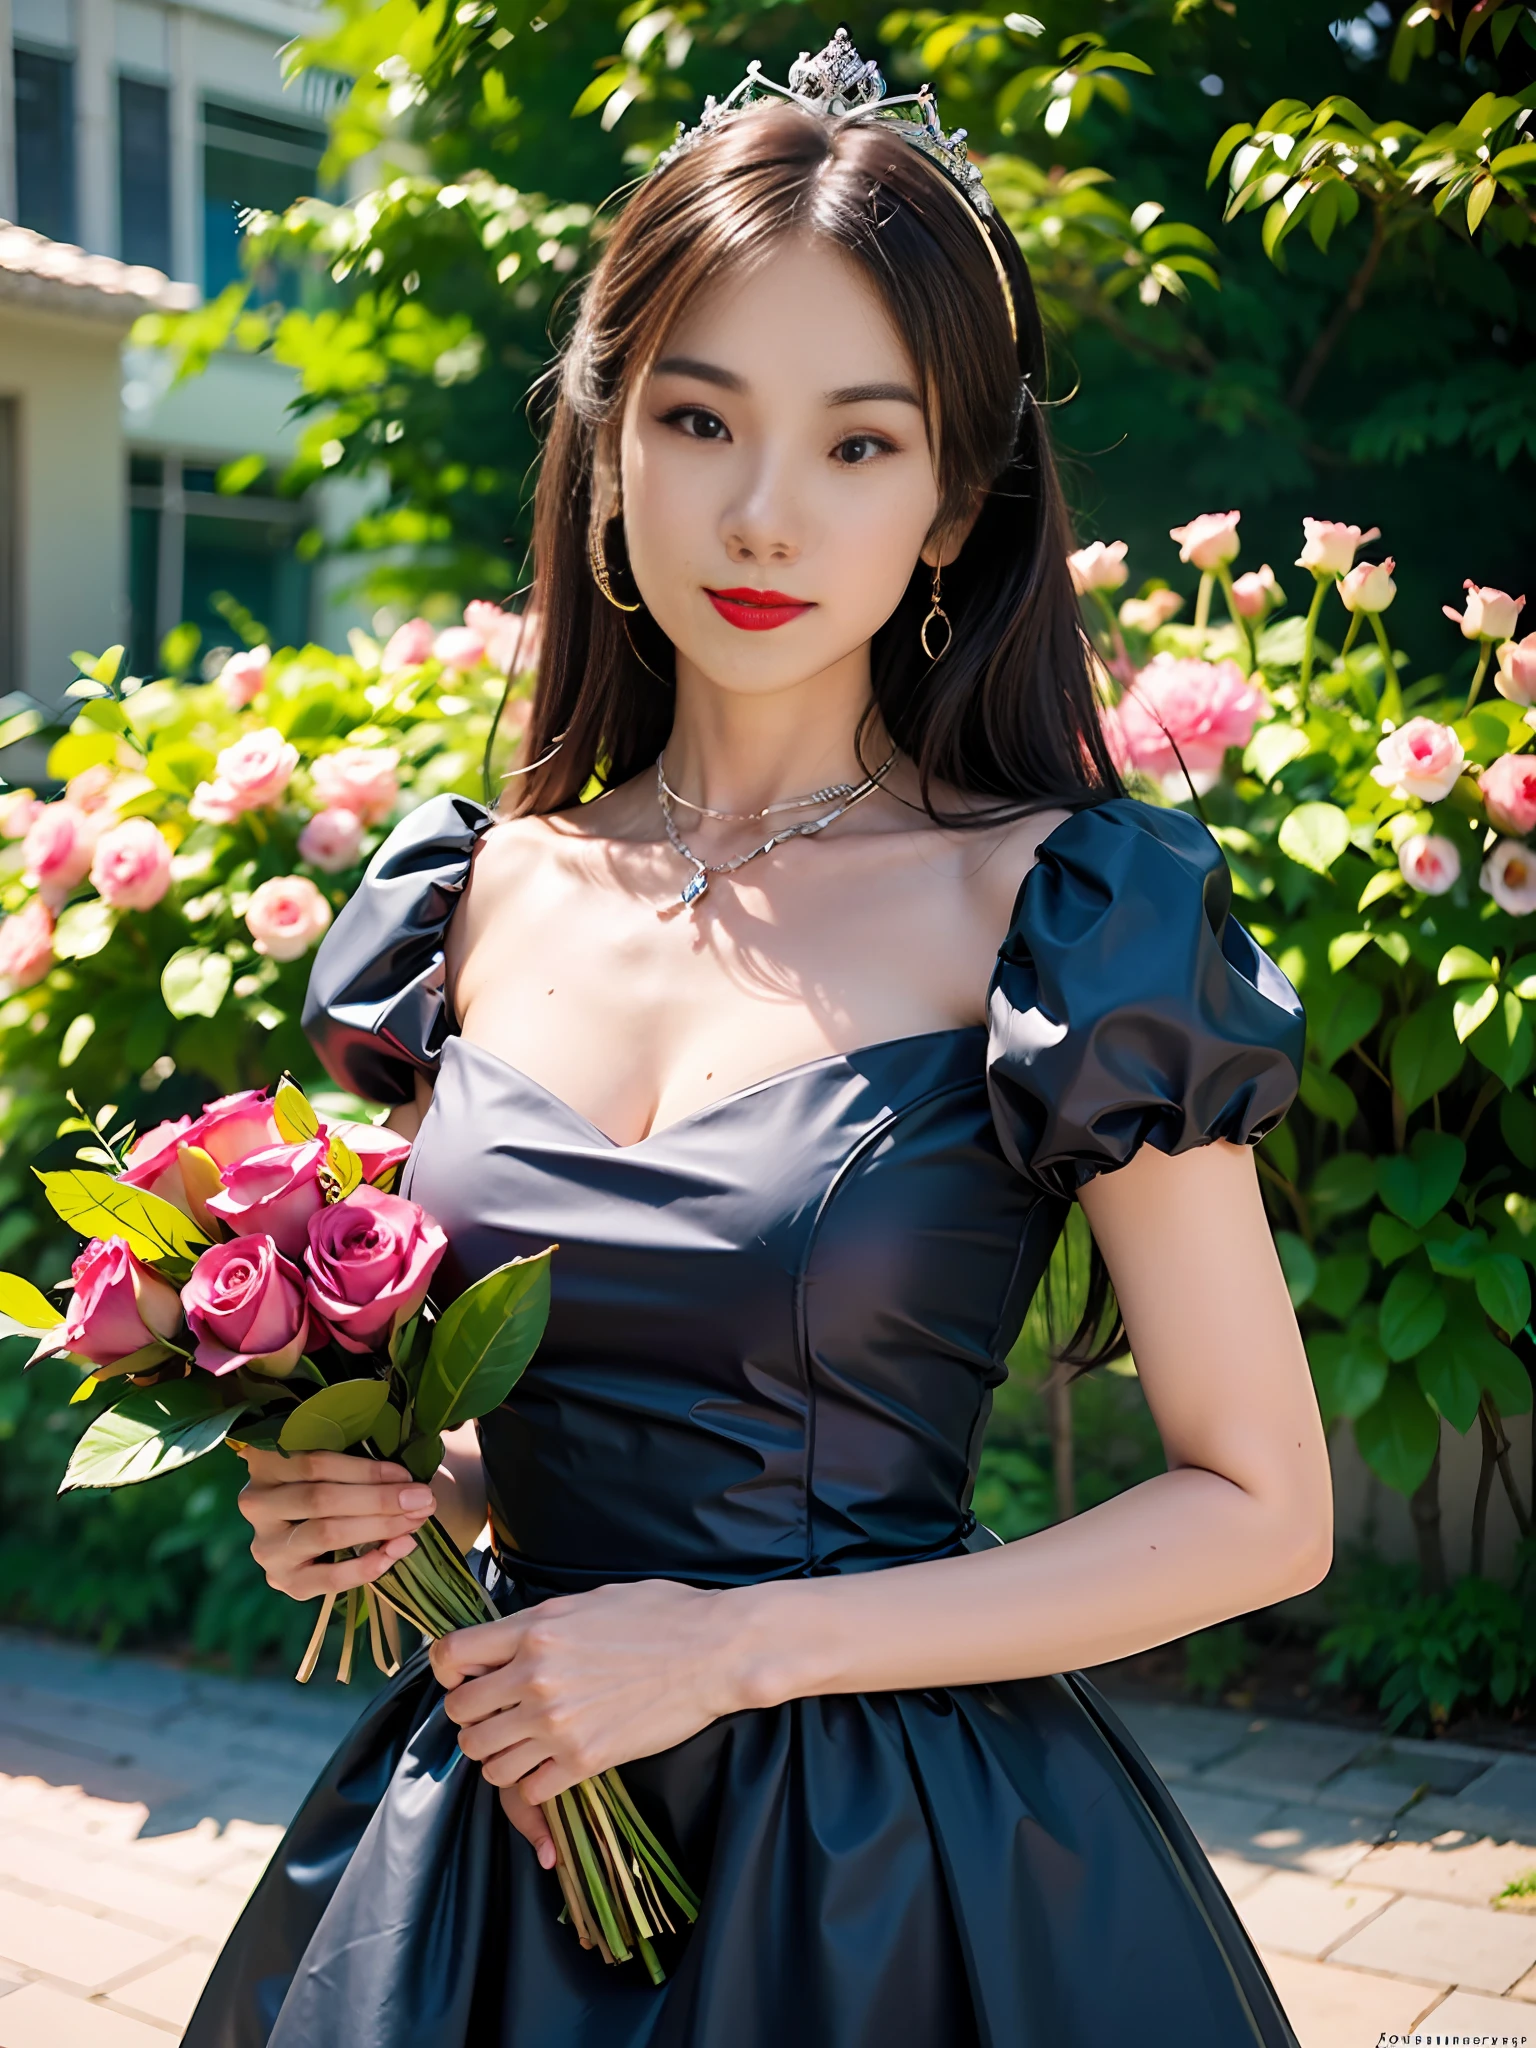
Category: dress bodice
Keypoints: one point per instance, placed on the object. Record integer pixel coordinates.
(776, 1324)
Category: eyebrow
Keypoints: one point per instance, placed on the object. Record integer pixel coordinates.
(727, 380)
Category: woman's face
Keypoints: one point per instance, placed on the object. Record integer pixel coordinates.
(777, 480)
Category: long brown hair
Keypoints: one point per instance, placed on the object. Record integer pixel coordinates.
(1008, 715)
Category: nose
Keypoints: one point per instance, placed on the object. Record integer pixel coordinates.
(761, 525)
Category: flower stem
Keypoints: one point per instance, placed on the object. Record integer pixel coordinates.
(1119, 660)
(1486, 651)
(1349, 637)
(1244, 641)
(1309, 640)
(1389, 662)
(1203, 601)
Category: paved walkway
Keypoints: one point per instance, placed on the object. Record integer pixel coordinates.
(139, 1803)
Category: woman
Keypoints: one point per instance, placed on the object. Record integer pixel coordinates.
(800, 1038)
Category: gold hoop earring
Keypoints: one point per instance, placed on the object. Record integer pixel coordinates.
(936, 611)
(596, 561)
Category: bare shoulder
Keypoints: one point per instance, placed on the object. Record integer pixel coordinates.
(1006, 853)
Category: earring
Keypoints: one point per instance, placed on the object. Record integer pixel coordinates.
(936, 611)
(597, 560)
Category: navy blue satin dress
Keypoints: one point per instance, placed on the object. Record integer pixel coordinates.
(776, 1329)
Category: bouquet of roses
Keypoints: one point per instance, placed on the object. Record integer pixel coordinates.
(251, 1278)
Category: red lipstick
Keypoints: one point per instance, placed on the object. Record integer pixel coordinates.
(757, 611)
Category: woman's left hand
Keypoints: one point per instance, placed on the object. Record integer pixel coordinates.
(581, 1683)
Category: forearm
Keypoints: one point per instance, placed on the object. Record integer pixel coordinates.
(1178, 1553)
(459, 1484)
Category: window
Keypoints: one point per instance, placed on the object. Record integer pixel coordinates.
(144, 172)
(251, 161)
(45, 144)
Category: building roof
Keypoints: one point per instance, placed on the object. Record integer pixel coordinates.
(56, 277)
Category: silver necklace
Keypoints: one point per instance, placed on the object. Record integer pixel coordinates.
(698, 882)
(829, 795)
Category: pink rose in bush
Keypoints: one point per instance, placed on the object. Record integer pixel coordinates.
(459, 647)
(26, 945)
(409, 646)
(1146, 614)
(274, 1193)
(18, 808)
(1490, 614)
(58, 850)
(331, 840)
(251, 775)
(1257, 592)
(1368, 587)
(1509, 877)
(1420, 759)
(1516, 678)
(118, 1307)
(370, 1259)
(245, 1306)
(1194, 710)
(91, 789)
(360, 779)
(1208, 541)
(1099, 566)
(286, 915)
(234, 1127)
(244, 676)
(1509, 791)
(1328, 546)
(1429, 863)
(131, 867)
(511, 639)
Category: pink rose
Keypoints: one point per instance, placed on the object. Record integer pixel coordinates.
(251, 775)
(1368, 587)
(154, 1165)
(360, 779)
(1429, 863)
(1208, 541)
(1146, 614)
(58, 849)
(1516, 678)
(380, 1150)
(91, 789)
(371, 1259)
(459, 647)
(1509, 877)
(182, 1162)
(1509, 791)
(409, 646)
(511, 639)
(1190, 709)
(244, 676)
(286, 915)
(1420, 759)
(332, 840)
(26, 945)
(273, 1193)
(1257, 592)
(235, 1126)
(245, 1306)
(1328, 547)
(1097, 566)
(18, 808)
(1490, 614)
(119, 1305)
(131, 867)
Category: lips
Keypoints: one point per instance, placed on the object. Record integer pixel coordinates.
(757, 611)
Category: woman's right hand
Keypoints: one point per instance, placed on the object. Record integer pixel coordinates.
(304, 1507)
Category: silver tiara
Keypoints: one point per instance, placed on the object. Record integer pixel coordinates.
(838, 81)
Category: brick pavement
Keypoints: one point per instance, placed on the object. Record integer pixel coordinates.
(140, 1802)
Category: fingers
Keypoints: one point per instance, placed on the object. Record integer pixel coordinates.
(295, 1543)
(274, 1468)
(470, 1652)
(310, 1581)
(530, 1824)
(315, 1500)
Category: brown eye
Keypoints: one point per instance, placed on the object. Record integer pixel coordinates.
(860, 449)
(698, 423)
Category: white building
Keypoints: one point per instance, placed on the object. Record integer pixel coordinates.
(135, 131)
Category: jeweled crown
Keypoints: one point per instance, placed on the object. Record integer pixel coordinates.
(838, 81)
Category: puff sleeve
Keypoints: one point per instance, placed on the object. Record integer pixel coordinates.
(1129, 1006)
(377, 1010)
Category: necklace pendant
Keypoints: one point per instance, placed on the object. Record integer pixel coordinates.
(694, 888)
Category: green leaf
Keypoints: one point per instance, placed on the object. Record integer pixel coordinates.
(96, 1205)
(1346, 947)
(1426, 1054)
(1238, 132)
(26, 1305)
(1339, 1014)
(1297, 1264)
(293, 1114)
(84, 929)
(1348, 1371)
(1328, 1097)
(1390, 1239)
(1412, 1313)
(1399, 1433)
(1517, 1126)
(1504, 1289)
(422, 1456)
(1468, 1012)
(482, 1342)
(336, 1418)
(1343, 1184)
(386, 1430)
(1457, 1256)
(1445, 1375)
(1341, 1281)
(1503, 1044)
(1382, 883)
(1417, 1185)
(1502, 1376)
(150, 1431)
(1314, 835)
(1272, 746)
(195, 981)
(1460, 963)
(77, 1036)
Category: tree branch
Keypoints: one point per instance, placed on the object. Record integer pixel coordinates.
(1353, 299)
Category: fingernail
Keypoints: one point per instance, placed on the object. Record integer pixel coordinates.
(414, 1498)
(402, 1546)
(547, 1855)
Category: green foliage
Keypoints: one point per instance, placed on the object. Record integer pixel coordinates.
(1424, 1657)
(1215, 1659)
